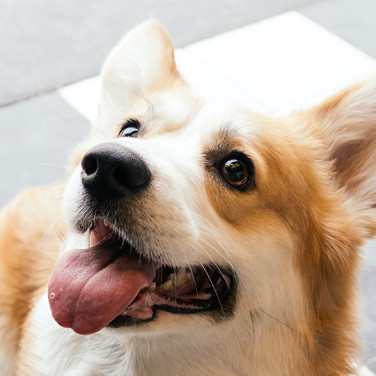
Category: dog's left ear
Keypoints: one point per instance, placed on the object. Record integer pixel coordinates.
(141, 63)
(348, 124)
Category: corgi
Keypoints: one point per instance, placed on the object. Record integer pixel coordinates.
(190, 239)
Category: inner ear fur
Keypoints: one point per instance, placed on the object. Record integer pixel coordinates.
(348, 125)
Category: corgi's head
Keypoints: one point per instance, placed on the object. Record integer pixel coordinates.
(216, 223)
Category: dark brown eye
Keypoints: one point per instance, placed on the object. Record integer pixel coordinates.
(235, 172)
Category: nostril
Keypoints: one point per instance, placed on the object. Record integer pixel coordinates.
(89, 164)
(131, 175)
(120, 176)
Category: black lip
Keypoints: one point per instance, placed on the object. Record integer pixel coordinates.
(220, 306)
(127, 321)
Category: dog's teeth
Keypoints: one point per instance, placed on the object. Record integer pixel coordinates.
(152, 286)
(176, 280)
(181, 277)
(168, 285)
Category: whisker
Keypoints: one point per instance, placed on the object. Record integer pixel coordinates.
(211, 282)
(209, 230)
(251, 314)
(214, 237)
(48, 234)
(280, 322)
(41, 206)
(218, 252)
(193, 276)
(52, 165)
(211, 258)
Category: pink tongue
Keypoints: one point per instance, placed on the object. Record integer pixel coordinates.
(90, 287)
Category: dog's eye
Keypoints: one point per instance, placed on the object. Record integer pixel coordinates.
(237, 171)
(129, 132)
(130, 129)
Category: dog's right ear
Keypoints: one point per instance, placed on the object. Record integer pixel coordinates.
(141, 63)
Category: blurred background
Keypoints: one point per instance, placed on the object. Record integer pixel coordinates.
(47, 44)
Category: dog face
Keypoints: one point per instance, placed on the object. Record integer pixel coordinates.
(189, 217)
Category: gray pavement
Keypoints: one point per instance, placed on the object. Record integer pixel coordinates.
(36, 137)
(352, 20)
(45, 44)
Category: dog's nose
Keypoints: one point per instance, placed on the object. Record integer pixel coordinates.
(112, 171)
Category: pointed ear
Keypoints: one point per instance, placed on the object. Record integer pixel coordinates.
(348, 123)
(142, 62)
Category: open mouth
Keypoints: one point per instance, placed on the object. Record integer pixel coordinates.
(111, 284)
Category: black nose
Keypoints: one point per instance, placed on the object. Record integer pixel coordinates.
(112, 171)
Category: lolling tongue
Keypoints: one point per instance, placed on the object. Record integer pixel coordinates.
(91, 287)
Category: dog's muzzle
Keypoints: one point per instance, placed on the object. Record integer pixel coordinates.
(112, 171)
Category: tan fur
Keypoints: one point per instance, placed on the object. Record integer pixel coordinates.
(293, 239)
(31, 229)
(327, 245)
